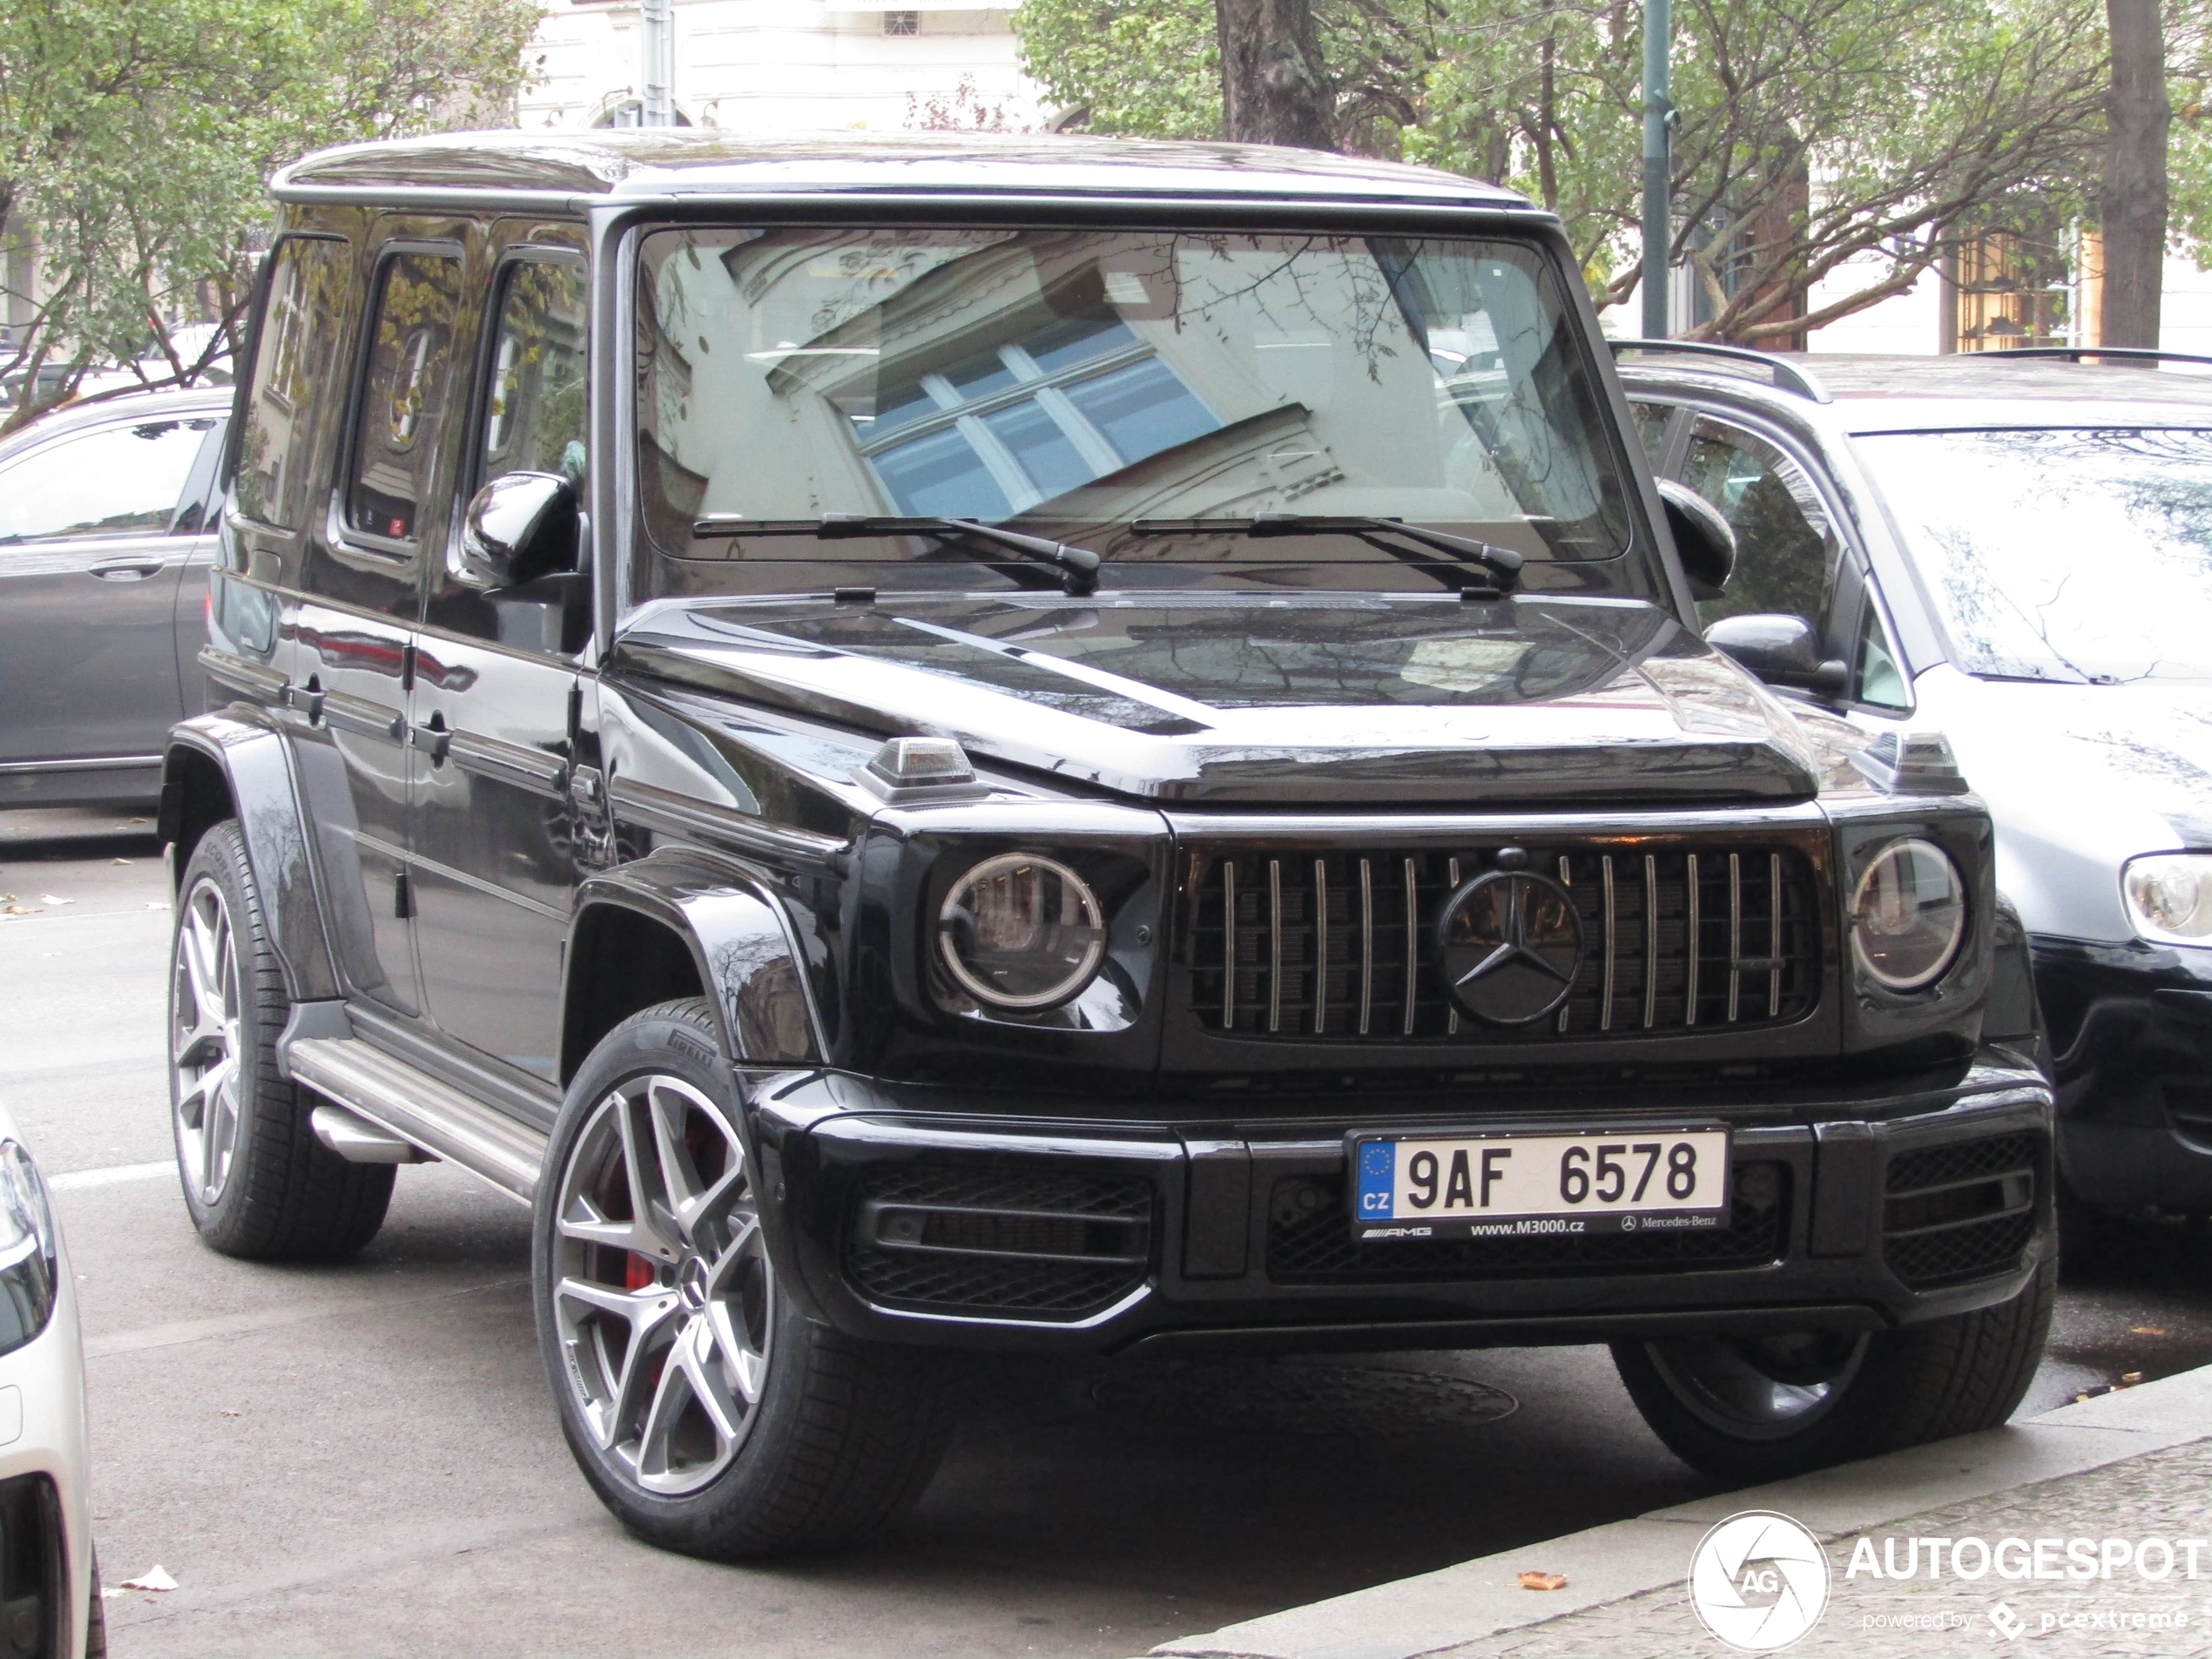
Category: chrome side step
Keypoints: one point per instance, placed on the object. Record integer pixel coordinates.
(358, 1141)
(422, 1111)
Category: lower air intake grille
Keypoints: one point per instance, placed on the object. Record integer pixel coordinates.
(1961, 1212)
(1309, 1242)
(999, 1238)
(1307, 945)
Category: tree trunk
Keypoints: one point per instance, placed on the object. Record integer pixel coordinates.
(2134, 198)
(1274, 87)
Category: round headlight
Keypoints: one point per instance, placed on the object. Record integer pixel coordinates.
(2171, 897)
(1019, 931)
(1908, 917)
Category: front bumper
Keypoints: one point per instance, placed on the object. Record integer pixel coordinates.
(2131, 1037)
(958, 1226)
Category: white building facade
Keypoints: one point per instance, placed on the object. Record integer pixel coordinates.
(772, 66)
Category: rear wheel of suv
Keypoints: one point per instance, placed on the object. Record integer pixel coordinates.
(258, 1183)
(709, 1413)
(1749, 1409)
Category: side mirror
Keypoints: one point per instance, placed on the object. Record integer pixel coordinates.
(519, 527)
(1782, 650)
(1702, 538)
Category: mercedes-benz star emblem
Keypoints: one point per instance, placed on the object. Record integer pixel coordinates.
(1509, 944)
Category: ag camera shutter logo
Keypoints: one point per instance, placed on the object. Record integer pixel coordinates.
(1758, 1582)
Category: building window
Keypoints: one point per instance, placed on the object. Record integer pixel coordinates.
(2008, 289)
(1000, 431)
(903, 22)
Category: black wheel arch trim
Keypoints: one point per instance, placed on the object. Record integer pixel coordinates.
(743, 950)
(236, 763)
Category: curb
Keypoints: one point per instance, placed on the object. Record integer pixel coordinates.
(1457, 1605)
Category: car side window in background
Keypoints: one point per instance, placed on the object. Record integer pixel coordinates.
(113, 481)
(310, 283)
(1880, 676)
(1785, 548)
(534, 417)
(1652, 422)
(404, 396)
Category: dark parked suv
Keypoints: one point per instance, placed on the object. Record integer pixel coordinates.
(1059, 745)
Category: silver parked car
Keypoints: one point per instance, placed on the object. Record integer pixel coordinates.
(2016, 553)
(107, 528)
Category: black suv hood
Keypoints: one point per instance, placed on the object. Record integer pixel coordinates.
(1335, 699)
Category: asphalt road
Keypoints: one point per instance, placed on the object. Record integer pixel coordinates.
(362, 1460)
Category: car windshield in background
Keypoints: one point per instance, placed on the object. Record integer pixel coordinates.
(1071, 383)
(2063, 554)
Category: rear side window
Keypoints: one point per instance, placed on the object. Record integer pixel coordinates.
(534, 420)
(404, 396)
(298, 357)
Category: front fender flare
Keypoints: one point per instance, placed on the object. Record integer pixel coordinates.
(254, 762)
(741, 946)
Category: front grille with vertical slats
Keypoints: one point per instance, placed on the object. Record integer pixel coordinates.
(1338, 946)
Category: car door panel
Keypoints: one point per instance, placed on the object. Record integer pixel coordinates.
(499, 702)
(91, 564)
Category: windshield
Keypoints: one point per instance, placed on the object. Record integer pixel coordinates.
(2060, 555)
(1074, 384)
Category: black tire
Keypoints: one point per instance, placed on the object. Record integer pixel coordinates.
(95, 1616)
(839, 1438)
(280, 1194)
(1887, 1391)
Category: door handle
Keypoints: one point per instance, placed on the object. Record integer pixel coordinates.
(432, 737)
(129, 569)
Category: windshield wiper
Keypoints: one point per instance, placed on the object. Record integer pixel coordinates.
(1502, 563)
(1078, 565)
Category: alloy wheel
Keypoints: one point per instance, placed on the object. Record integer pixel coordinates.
(204, 1043)
(662, 1296)
(1761, 1388)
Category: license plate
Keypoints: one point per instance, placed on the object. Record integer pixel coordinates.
(1481, 1186)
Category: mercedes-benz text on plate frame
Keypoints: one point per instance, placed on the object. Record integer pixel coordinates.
(1472, 1186)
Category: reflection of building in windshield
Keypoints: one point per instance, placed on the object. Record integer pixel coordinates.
(1004, 428)
(1093, 378)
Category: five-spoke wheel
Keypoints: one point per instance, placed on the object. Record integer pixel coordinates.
(204, 1038)
(708, 1408)
(663, 1294)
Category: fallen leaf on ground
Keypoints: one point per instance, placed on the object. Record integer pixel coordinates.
(49, 898)
(2146, 1330)
(18, 910)
(119, 860)
(2129, 1379)
(225, 1411)
(154, 1578)
(1540, 1581)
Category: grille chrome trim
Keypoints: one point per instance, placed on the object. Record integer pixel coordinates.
(1685, 932)
(1367, 943)
(1605, 997)
(1275, 948)
(1651, 937)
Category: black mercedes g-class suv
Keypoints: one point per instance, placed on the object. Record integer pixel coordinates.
(1063, 745)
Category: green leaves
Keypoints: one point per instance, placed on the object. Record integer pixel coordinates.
(1847, 142)
(136, 140)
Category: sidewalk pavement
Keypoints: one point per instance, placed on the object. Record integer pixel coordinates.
(2134, 1464)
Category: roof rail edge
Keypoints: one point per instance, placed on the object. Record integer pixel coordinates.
(2075, 353)
(1788, 377)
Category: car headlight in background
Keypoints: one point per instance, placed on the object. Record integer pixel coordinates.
(2169, 897)
(1908, 918)
(1021, 931)
(28, 1267)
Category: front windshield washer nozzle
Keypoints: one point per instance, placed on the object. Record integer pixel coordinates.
(922, 769)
